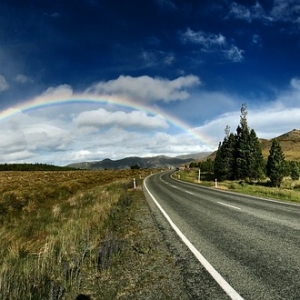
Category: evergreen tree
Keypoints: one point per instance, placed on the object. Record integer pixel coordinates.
(242, 153)
(256, 162)
(239, 156)
(218, 165)
(224, 160)
(276, 164)
(295, 171)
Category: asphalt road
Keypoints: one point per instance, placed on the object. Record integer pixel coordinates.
(253, 243)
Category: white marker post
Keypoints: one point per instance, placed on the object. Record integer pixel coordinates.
(216, 182)
(199, 174)
(134, 183)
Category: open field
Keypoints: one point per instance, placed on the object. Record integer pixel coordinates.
(81, 232)
(289, 190)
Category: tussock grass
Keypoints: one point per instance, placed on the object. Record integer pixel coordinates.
(56, 230)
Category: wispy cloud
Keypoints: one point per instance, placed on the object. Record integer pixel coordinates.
(234, 54)
(167, 4)
(208, 41)
(213, 43)
(286, 10)
(154, 58)
(282, 10)
(239, 11)
(148, 89)
(22, 79)
(3, 83)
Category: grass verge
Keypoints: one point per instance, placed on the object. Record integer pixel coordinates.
(289, 190)
(69, 235)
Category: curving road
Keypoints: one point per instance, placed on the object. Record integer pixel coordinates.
(252, 243)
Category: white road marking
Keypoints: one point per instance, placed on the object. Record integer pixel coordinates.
(228, 289)
(235, 207)
(189, 192)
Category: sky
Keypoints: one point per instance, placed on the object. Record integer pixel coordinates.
(85, 80)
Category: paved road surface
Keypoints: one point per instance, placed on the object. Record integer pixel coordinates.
(254, 244)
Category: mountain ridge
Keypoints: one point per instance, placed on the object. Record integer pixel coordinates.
(289, 142)
(160, 161)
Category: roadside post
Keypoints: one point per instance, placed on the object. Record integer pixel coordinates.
(199, 174)
(216, 182)
(134, 183)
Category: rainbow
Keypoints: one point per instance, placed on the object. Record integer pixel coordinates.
(49, 101)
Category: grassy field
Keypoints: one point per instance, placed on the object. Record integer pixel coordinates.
(60, 230)
(289, 190)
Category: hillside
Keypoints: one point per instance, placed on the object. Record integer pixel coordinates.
(289, 142)
(143, 162)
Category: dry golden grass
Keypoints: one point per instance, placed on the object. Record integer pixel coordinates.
(50, 221)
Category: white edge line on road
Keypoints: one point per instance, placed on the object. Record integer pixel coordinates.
(228, 289)
(232, 206)
(191, 193)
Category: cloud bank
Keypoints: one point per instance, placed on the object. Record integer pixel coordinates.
(79, 133)
(146, 88)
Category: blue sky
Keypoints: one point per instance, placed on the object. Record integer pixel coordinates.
(175, 64)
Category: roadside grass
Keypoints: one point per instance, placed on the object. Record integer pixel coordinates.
(289, 190)
(61, 230)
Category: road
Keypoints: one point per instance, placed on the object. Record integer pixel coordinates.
(253, 243)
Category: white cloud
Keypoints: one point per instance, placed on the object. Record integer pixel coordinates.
(22, 79)
(151, 58)
(208, 40)
(85, 133)
(234, 54)
(239, 11)
(147, 89)
(286, 10)
(295, 83)
(213, 43)
(63, 91)
(3, 84)
(268, 120)
(282, 10)
(137, 119)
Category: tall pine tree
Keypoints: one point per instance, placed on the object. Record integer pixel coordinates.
(276, 164)
(239, 156)
(256, 162)
(242, 153)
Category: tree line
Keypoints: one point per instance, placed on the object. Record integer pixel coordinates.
(33, 167)
(239, 157)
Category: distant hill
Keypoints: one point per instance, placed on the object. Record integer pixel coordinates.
(195, 156)
(143, 162)
(289, 142)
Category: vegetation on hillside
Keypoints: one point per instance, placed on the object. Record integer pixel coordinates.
(240, 156)
(33, 167)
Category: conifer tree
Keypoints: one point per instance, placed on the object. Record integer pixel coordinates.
(224, 160)
(276, 164)
(295, 170)
(218, 165)
(242, 154)
(256, 162)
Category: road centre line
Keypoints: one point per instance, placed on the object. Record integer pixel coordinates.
(228, 205)
(227, 288)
